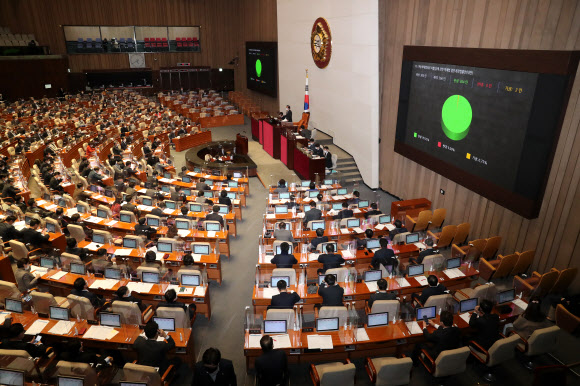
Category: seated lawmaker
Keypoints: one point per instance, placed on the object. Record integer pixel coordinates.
(16, 341)
(344, 213)
(285, 299)
(382, 293)
(171, 301)
(7, 230)
(485, 324)
(313, 214)
(331, 292)
(80, 288)
(283, 234)
(320, 238)
(330, 259)
(124, 295)
(150, 351)
(215, 216)
(284, 259)
(74, 351)
(374, 210)
(399, 228)
(31, 235)
(281, 187)
(142, 229)
(362, 243)
(434, 288)
(531, 320)
(384, 256)
(213, 370)
(73, 249)
(272, 365)
(24, 279)
(446, 337)
(423, 254)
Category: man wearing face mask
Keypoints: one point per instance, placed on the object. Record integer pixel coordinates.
(24, 278)
(213, 370)
(288, 116)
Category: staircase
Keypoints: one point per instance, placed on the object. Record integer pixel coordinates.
(346, 168)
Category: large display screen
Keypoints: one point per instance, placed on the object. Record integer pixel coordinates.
(492, 130)
(262, 67)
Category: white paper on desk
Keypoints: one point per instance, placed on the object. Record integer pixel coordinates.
(3, 316)
(93, 219)
(380, 227)
(465, 316)
(58, 275)
(267, 293)
(100, 333)
(159, 256)
(51, 207)
(62, 327)
(520, 303)
(97, 196)
(356, 210)
(19, 225)
(207, 176)
(104, 284)
(168, 210)
(270, 216)
(421, 279)
(414, 328)
(111, 223)
(71, 211)
(139, 287)
(141, 190)
(36, 327)
(372, 286)
(236, 202)
(281, 341)
(93, 246)
(165, 180)
(300, 215)
(358, 230)
(183, 232)
(361, 335)
(40, 270)
(420, 245)
(159, 338)
(390, 227)
(41, 202)
(211, 233)
(312, 256)
(344, 231)
(196, 257)
(199, 291)
(123, 252)
(403, 282)
(323, 342)
(145, 208)
(347, 254)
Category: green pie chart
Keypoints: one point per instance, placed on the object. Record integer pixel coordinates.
(259, 67)
(456, 117)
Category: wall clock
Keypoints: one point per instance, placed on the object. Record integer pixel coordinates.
(321, 43)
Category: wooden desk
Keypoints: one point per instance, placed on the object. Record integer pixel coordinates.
(224, 120)
(308, 168)
(400, 209)
(188, 141)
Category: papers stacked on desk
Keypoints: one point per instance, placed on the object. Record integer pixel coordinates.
(347, 254)
(183, 232)
(200, 291)
(165, 180)
(269, 292)
(312, 256)
(19, 225)
(41, 202)
(140, 287)
(358, 230)
(36, 327)
(344, 231)
(97, 196)
(323, 342)
(93, 246)
(361, 335)
(3, 316)
(211, 233)
(62, 327)
(100, 333)
(338, 198)
(40, 270)
(390, 227)
(300, 215)
(168, 211)
(104, 284)
(271, 216)
(402, 282)
(421, 280)
(414, 328)
(93, 219)
(123, 251)
(520, 303)
(196, 257)
(254, 341)
(453, 273)
(420, 245)
(281, 341)
(465, 316)
(372, 286)
(111, 223)
(356, 210)
(145, 208)
(71, 211)
(58, 275)
(51, 207)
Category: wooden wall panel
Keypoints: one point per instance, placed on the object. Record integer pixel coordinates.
(514, 24)
(225, 26)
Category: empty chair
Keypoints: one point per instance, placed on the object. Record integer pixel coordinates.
(501, 351)
(138, 373)
(332, 312)
(443, 239)
(470, 252)
(421, 223)
(81, 307)
(390, 306)
(140, 271)
(106, 235)
(290, 272)
(131, 314)
(332, 374)
(442, 302)
(497, 269)
(448, 362)
(524, 262)
(341, 273)
(78, 369)
(36, 368)
(43, 300)
(344, 221)
(67, 258)
(461, 233)
(279, 314)
(70, 202)
(565, 278)
(491, 247)
(539, 284)
(566, 320)
(400, 238)
(77, 232)
(19, 250)
(485, 291)
(181, 317)
(389, 370)
(438, 218)
(433, 262)
(8, 290)
(541, 341)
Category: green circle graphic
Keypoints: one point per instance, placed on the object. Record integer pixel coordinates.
(456, 117)
(259, 67)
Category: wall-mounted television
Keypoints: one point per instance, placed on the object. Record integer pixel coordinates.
(262, 67)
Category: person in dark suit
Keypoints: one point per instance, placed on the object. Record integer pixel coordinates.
(212, 370)
(80, 288)
(330, 292)
(7, 230)
(75, 352)
(311, 145)
(201, 185)
(320, 238)
(150, 352)
(283, 234)
(16, 341)
(423, 254)
(485, 323)
(285, 299)
(143, 229)
(171, 301)
(71, 247)
(281, 187)
(382, 293)
(124, 295)
(225, 200)
(344, 213)
(318, 151)
(374, 210)
(446, 337)
(435, 288)
(30, 235)
(398, 229)
(292, 203)
(384, 256)
(330, 259)
(272, 365)
(313, 214)
(327, 157)
(284, 259)
(288, 115)
(215, 216)
(362, 243)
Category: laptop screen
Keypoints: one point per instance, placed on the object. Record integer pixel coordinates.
(453, 263)
(170, 204)
(151, 277)
(378, 319)
(337, 206)
(224, 209)
(353, 223)
(238, 175)
(328, 182)
(506, 296)
(62, 203)
(58, 313)
(11, 377)
(212, 226)
(372, 275)
(102, 213)
(47, 262)
(429, 312)
(233, 184)
(415, 270)
(468, 305)
(341, 191)
(275, 326)
(129, 243)
(373, 243)
(281, 209)
(317, 225)
(186, 192)
(208, 194)
(231, 195)
(125, 218)
(278, 249)
(109, 319)
(363, 204)
(50, 227)
(113, 273)
(313, 194)
(147, 201)
(201, 249)
(275, 279)
(166, 175)
(321, 278)
(327, 324)
(305, 183)
(70, 381)
(412, 238)
(109, 193)
(80, 208)
(182, 224)
(384, 219)
(186, 179)
(284, 195)
(166, 324)
(27, 220)
(152, 222)
(46, 197)
(164, 247)
(99, 239)
(192, 280)
(13, 305)
(77, 268)
(195, 207)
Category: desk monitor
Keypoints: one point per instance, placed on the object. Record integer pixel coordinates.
(102, 213)
(429, 312)
(58, 313)
(275, 326)
(468, 305)
(152, 222)
(278, 249)
(125, 218)
(166, 189)
(378, 319)
(453, 263)
(13, 305)
(212, 226)
(231, 195)
(27, 219)
(196, 208)
(10, 212)
(238, 175)
(284, 195)
(341, 191)
(201, 249)
(147, 201)
(110, 319)
(363, 204)
(281, 209)
(372, 275)
(46, 197)
(373, 243)
(11, 377)
(193, 280)
(305, 183)
(99, 239)
(328, 182)
(81, 208)
(167, 175)
(412, 238)
(232, 184)
(186, 192)
(150, 277)
(94, 188)
(182, 224)
(166, 324)
(337, 206)
(47, 262)
(50, 227)
(77, 268)
(415, 270)
(129, 243)
(208, 194)
(353, 223)
(164, 247)
(224, 209)
(70, 381)
(62, 202)
(210, 182)
(326, 324)
(170, 204)
(506, 296)
(313, 193)
(275, 279)
(318, 225)
(321, 278)
(198, 170)
(148, 185)
(109, 193)
(113, 273)
(186, 179)
(384, 219)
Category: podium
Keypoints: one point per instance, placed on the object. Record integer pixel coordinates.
(241, 144)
